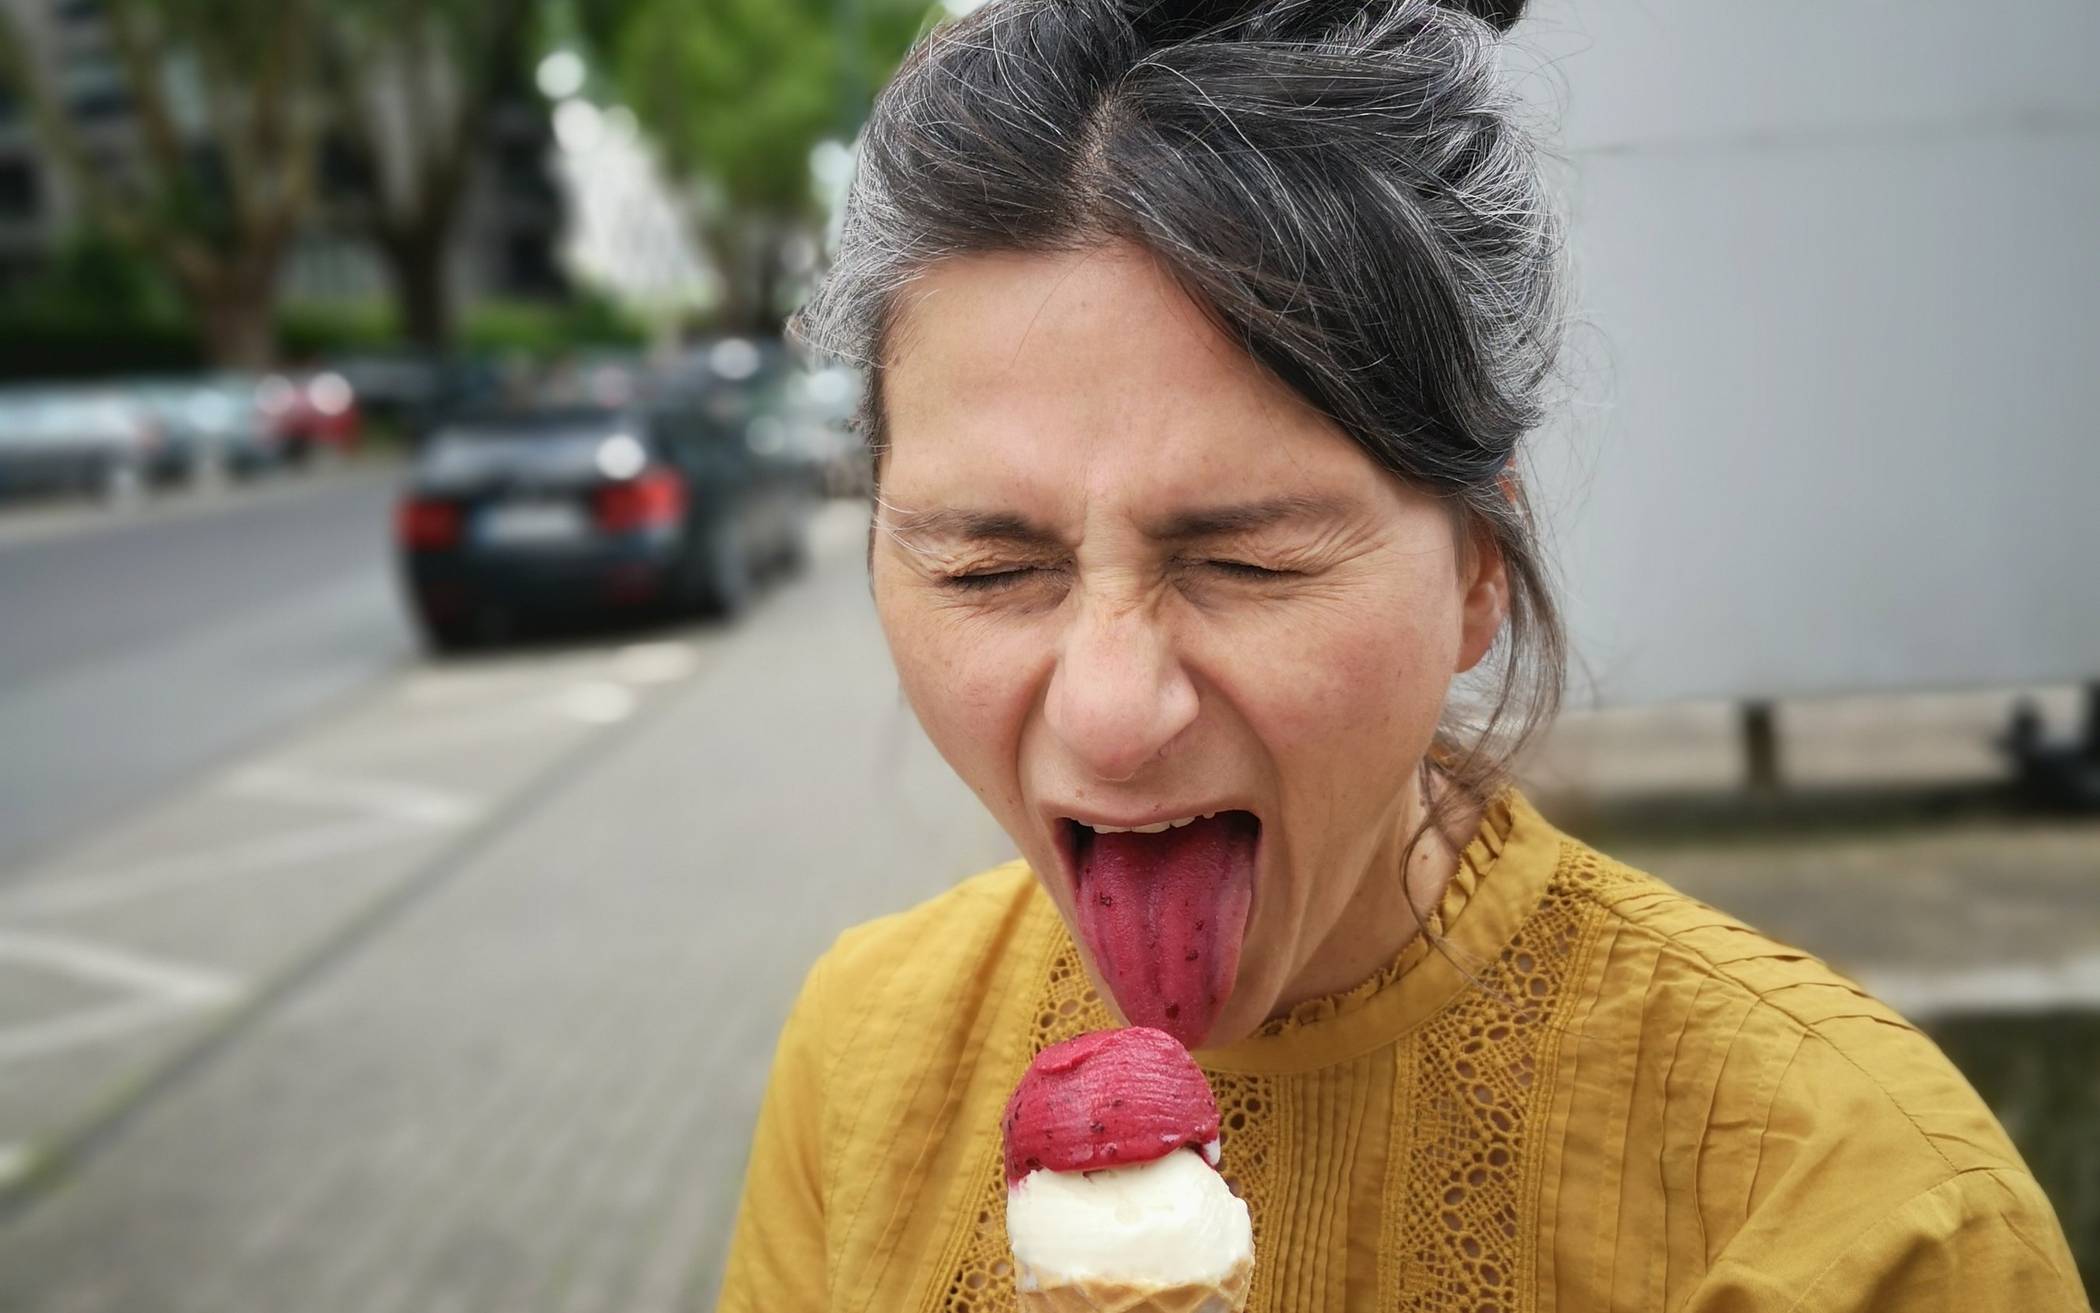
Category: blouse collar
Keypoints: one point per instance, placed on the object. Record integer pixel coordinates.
(1501, 876)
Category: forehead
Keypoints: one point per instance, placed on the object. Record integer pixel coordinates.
(1089, 372)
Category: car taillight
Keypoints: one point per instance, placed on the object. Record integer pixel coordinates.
(654, 498)
(427, 522)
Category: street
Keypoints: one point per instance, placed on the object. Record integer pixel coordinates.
(136, 652)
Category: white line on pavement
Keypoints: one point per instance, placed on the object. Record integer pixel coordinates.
(85, 1027)
(387, 813)
(655, 663)
(107, 964)
(15, 1160)
(413, 804)
(449, 686)
(599, 702)
(452, 732)
(157, 991)
(278, 852)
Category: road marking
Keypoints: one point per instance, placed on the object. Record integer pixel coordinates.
(457, 732)
(437, 688)
(599, 702)
(89, 1026)
(105, 964)
(386, 812)
(413, 804)
(655, 663)
(79, 893)
(15, 1162)
(157, 991)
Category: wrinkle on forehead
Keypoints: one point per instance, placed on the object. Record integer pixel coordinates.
(1089, 378)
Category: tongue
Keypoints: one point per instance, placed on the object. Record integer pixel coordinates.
(1163, 916)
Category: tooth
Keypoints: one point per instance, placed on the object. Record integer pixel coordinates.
(1208, 815)
(1109, 829)
(1186, 820)
(1160, 828)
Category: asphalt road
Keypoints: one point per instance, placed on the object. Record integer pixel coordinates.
(139, 647)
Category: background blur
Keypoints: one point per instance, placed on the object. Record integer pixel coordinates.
(442, 716)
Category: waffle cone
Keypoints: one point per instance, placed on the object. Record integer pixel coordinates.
(1099, 1295)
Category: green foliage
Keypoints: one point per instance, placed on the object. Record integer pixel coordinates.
(93, 275)
(98, 306)
(545, 329)
(737, 92)
(50, 342)
(312, 330)
(539, 328)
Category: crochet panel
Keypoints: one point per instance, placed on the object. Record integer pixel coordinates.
(1460, 1234)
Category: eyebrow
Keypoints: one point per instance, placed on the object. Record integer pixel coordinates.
(1179, 526)
(975, 526)
(1244, 517)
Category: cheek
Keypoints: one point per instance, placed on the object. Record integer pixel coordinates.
(968, 685)
(1346, 699)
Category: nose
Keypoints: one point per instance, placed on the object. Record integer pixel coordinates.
(1119, 695)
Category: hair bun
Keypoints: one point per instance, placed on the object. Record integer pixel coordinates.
(1501, 15)
(1165, 22)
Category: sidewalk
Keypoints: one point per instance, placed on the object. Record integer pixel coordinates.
(1894, 851)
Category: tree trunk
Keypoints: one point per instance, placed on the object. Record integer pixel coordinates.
(748, 254)
(236, 309)
(417, 262)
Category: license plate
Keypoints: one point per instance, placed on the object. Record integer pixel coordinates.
(542, 522)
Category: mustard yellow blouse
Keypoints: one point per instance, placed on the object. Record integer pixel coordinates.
(1599, 1095)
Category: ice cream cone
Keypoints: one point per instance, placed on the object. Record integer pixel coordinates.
(1101, 1295)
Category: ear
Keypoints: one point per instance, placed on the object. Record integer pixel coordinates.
(1484, 604)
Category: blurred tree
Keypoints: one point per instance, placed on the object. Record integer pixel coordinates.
(411, 84)
(220, 172)
(738, 93)
(93, 270)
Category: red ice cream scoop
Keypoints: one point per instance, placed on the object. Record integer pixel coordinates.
(1107, 1099)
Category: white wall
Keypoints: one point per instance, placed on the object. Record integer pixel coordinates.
(1838, 266)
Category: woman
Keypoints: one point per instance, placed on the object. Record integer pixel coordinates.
(1201, 341)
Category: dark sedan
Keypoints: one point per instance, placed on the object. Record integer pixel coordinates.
(658, 508)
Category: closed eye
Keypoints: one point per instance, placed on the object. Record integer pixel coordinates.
(987, 580)
(1246, 570)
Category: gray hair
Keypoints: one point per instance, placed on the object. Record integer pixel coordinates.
(1342, 185)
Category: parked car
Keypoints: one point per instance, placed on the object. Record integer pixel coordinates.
(820, 408)
(208, 423)
(667, 504)
(77, 439)
(418, 392)
(310, 413)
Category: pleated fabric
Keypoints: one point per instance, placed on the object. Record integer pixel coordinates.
(1579, 1090)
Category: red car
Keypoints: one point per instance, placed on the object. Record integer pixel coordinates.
(310, 413)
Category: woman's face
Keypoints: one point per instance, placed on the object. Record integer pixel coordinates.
(1127, 578)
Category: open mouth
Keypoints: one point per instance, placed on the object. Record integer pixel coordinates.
(1162, 909)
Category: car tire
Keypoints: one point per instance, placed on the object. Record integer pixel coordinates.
(447, 637)
(721, 573)
(793, 557)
